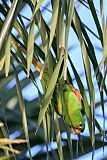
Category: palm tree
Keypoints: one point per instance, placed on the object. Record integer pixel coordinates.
(36, 47)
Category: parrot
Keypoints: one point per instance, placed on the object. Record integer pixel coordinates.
(68, 105)
(66, 100)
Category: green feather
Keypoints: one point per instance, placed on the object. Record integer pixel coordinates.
(72, 108)
(68, 105)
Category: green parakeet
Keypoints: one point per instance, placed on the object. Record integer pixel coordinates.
(67, 104)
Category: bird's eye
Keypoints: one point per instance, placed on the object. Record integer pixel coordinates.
(80, 125)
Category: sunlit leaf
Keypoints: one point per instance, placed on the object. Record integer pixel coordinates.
(37, 7)
(6, 157)
(22, 108)
(50, 89)
(10, 149)
(58, 136)
(7, 55)
(69, 16)
(2, 62)
(105, 45)
(7, 26)
(53, 21)
(30, 47)
(102, 13)
(7, 141)
(96, 20)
